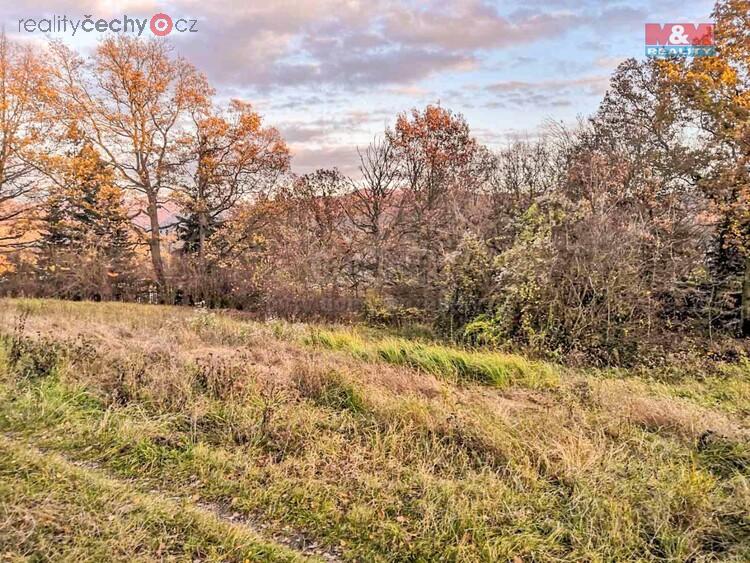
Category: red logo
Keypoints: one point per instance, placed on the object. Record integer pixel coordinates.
(679, 34)
(160, 24)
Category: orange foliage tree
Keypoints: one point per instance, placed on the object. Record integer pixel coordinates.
(228, 156)
(441, 168)
(24, 89)
(717, 89)
(131, 100)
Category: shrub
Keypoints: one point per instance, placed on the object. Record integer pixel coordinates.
(378, 312)
(577, 282)
(31, 358)
(466, 285)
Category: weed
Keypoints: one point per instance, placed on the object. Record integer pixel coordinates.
(724, 456)
(31, 358)
(221, 377)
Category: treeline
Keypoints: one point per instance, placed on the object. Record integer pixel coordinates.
(623, 237)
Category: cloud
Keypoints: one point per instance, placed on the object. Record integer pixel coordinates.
(470, 25)
(608, 63)
(306, 159)
(301, 133)
(619, 17)
(358, 70)
(345, 52)
(547, 93)
(411, 91)
(554, 84)
(501, 63)
(355, 44)
(327, 129)
(349, 45)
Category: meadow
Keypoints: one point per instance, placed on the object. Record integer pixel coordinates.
(144, 432)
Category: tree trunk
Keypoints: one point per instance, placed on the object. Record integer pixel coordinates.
(202, 230)
(746, 299)
(378, 269)
(154, 244)
(203, 288)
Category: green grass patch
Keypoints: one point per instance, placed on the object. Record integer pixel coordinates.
(500, 370)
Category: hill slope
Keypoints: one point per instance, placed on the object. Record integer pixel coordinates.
(174, 433)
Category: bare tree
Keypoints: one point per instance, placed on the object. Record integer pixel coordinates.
(374, 208)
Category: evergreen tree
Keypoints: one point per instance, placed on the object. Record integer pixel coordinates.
(85, 246)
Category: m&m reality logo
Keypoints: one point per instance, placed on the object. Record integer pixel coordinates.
(669, 40)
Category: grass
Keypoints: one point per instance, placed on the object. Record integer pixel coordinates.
(56, 511)
(499, 370)
(366, 447)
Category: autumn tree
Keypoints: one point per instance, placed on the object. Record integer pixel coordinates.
(23, 122)
(131, 99)
(227, 157)
(442, 165)
(244, 259)
(717, 90)
(317, 235)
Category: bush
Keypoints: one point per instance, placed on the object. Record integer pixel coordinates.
(31, 358)
(378, 312)
(579, 283)
(465, 284)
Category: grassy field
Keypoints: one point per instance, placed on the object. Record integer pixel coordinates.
(132, 432)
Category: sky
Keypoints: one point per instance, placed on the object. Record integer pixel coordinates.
(332, 74)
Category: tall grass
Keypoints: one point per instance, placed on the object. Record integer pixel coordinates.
(499, 370)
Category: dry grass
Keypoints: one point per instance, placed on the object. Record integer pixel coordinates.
(666, 415)
(382, 449)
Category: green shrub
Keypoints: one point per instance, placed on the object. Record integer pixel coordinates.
(482, 331)
(466, 285)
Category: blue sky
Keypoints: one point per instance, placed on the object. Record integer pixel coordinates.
(331, 74)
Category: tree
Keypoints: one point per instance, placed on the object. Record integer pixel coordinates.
(23, 91)
(441, 167)
(85, 245)
(130, 100)
(316, 240)
(717, 90)
(227, 157)
(520, 174)
(373, 206)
